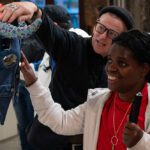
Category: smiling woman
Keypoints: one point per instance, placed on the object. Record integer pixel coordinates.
(125, 58)
(97, 116)
(122, 75)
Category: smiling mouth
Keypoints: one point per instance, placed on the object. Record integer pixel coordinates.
(112, 78)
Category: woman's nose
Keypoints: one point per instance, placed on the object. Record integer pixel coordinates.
(111, 67)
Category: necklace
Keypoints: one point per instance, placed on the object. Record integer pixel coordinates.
(114, 138)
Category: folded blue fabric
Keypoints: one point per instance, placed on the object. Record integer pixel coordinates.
(9, 73)
(10, 36)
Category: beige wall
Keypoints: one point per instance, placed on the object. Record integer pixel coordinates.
(9, 128)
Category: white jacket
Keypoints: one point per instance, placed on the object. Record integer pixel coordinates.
(83, 119)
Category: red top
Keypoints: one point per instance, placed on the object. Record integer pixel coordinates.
(106, 129)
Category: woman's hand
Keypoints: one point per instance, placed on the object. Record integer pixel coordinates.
(23, 11)
(132, 134)
(27, 71)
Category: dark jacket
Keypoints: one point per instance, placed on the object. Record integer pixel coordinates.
(32, 48)
(78, 67)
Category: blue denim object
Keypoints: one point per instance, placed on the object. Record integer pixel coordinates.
(9, 60)
(24, 113)
(9, 73)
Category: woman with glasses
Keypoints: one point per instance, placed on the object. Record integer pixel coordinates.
(80, 62)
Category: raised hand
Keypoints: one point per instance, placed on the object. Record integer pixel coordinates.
(23, 11)
(27, 71)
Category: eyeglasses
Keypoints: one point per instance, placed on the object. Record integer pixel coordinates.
(100, 28)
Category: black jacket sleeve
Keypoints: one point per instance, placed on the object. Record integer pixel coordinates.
(59, 43)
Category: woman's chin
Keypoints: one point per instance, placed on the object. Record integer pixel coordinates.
(112, 88)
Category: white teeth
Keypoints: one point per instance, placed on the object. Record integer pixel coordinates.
(111, 77)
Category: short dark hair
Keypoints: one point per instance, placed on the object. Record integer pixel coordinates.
(59, 15)
(138, 43)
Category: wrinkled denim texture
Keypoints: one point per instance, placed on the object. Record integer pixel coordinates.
(24, 113)
(9, 73)
(9, 60)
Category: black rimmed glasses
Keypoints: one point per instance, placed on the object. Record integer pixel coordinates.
(100, 28)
